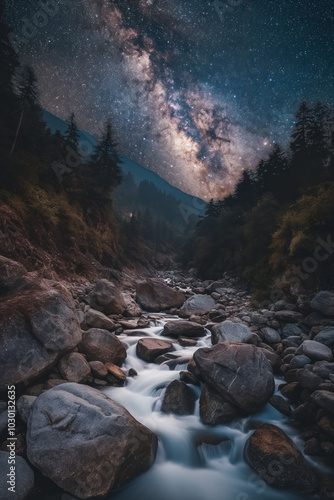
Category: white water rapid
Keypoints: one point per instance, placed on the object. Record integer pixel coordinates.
(182, 469)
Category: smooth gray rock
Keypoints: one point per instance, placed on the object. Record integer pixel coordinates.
(85, 442)
(24, 478)
(96, 319)
(37, 328)
(289, 316)
(281, 405)
(155, 295)
(291, 329)
(315, 350)
(107, 298)
(233, 332)
(104, 346)
(198, 304)
(326, 336)
(271, 336)
(241, 373)
(23, 405)
(299, 361)
(323, 302)
(74, 368)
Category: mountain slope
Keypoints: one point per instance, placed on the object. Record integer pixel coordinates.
(189, 204)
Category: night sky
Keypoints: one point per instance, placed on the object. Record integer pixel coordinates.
(198, 92)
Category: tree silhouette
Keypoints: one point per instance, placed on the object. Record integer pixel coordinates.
(27, 95)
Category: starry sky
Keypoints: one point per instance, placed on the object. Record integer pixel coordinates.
(198, 90)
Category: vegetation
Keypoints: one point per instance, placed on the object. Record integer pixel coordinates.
(272, 222)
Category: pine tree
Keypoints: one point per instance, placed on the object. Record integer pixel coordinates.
(72, 136)
(9, 62)
(105, 163)
(244, 191)
(27, 96)
(300, 143)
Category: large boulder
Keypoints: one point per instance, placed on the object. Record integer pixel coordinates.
(323, 302)
(289, 316)
(214, 409)
(230, 331)
(104, 346)
(183, 329)
(85, 442)
(23, 479)
(315, 350)
(149, 349)
(106, 297)
(198, 304)
(132, 308)
(154, 295)
(37, 328)
(96, 319)
(74, 368)
(274, 456)
(241, 373)
(179, 399)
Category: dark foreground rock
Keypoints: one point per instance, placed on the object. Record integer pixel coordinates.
(272, 454)
(214, 409)
(154, 295)
(179, 399)
(239, 372)
(101, 345)
(24, 478)
(37, 327)
(85, 442)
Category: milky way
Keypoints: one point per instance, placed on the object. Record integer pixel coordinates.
(198, 92)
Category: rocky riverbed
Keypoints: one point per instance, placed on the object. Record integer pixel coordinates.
(167, 387)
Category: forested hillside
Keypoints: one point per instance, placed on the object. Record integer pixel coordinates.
(279, 214)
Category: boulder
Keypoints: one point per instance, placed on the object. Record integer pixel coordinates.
(198, 304)
(23, 405)
(97, 319)
(179, 399)
(230, 331)
(214, 409)
(37, 328)
(276, 459)
(85, 442)
(241, 373)
(281, 405)
(24, 478)
(98, 369)
(149, 349)
(10, 274)
(299, 361)
(315, 350)
(289, 316)
(154, 295)
(74, 368)
(271, 336)
(291, 329)
(107, 298)
(132, 308)
(183, 329)
(323, 302)
(104, 346)
(325, 400)
(326, 336)
(308, 380)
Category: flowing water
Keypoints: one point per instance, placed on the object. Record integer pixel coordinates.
(184, 468)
